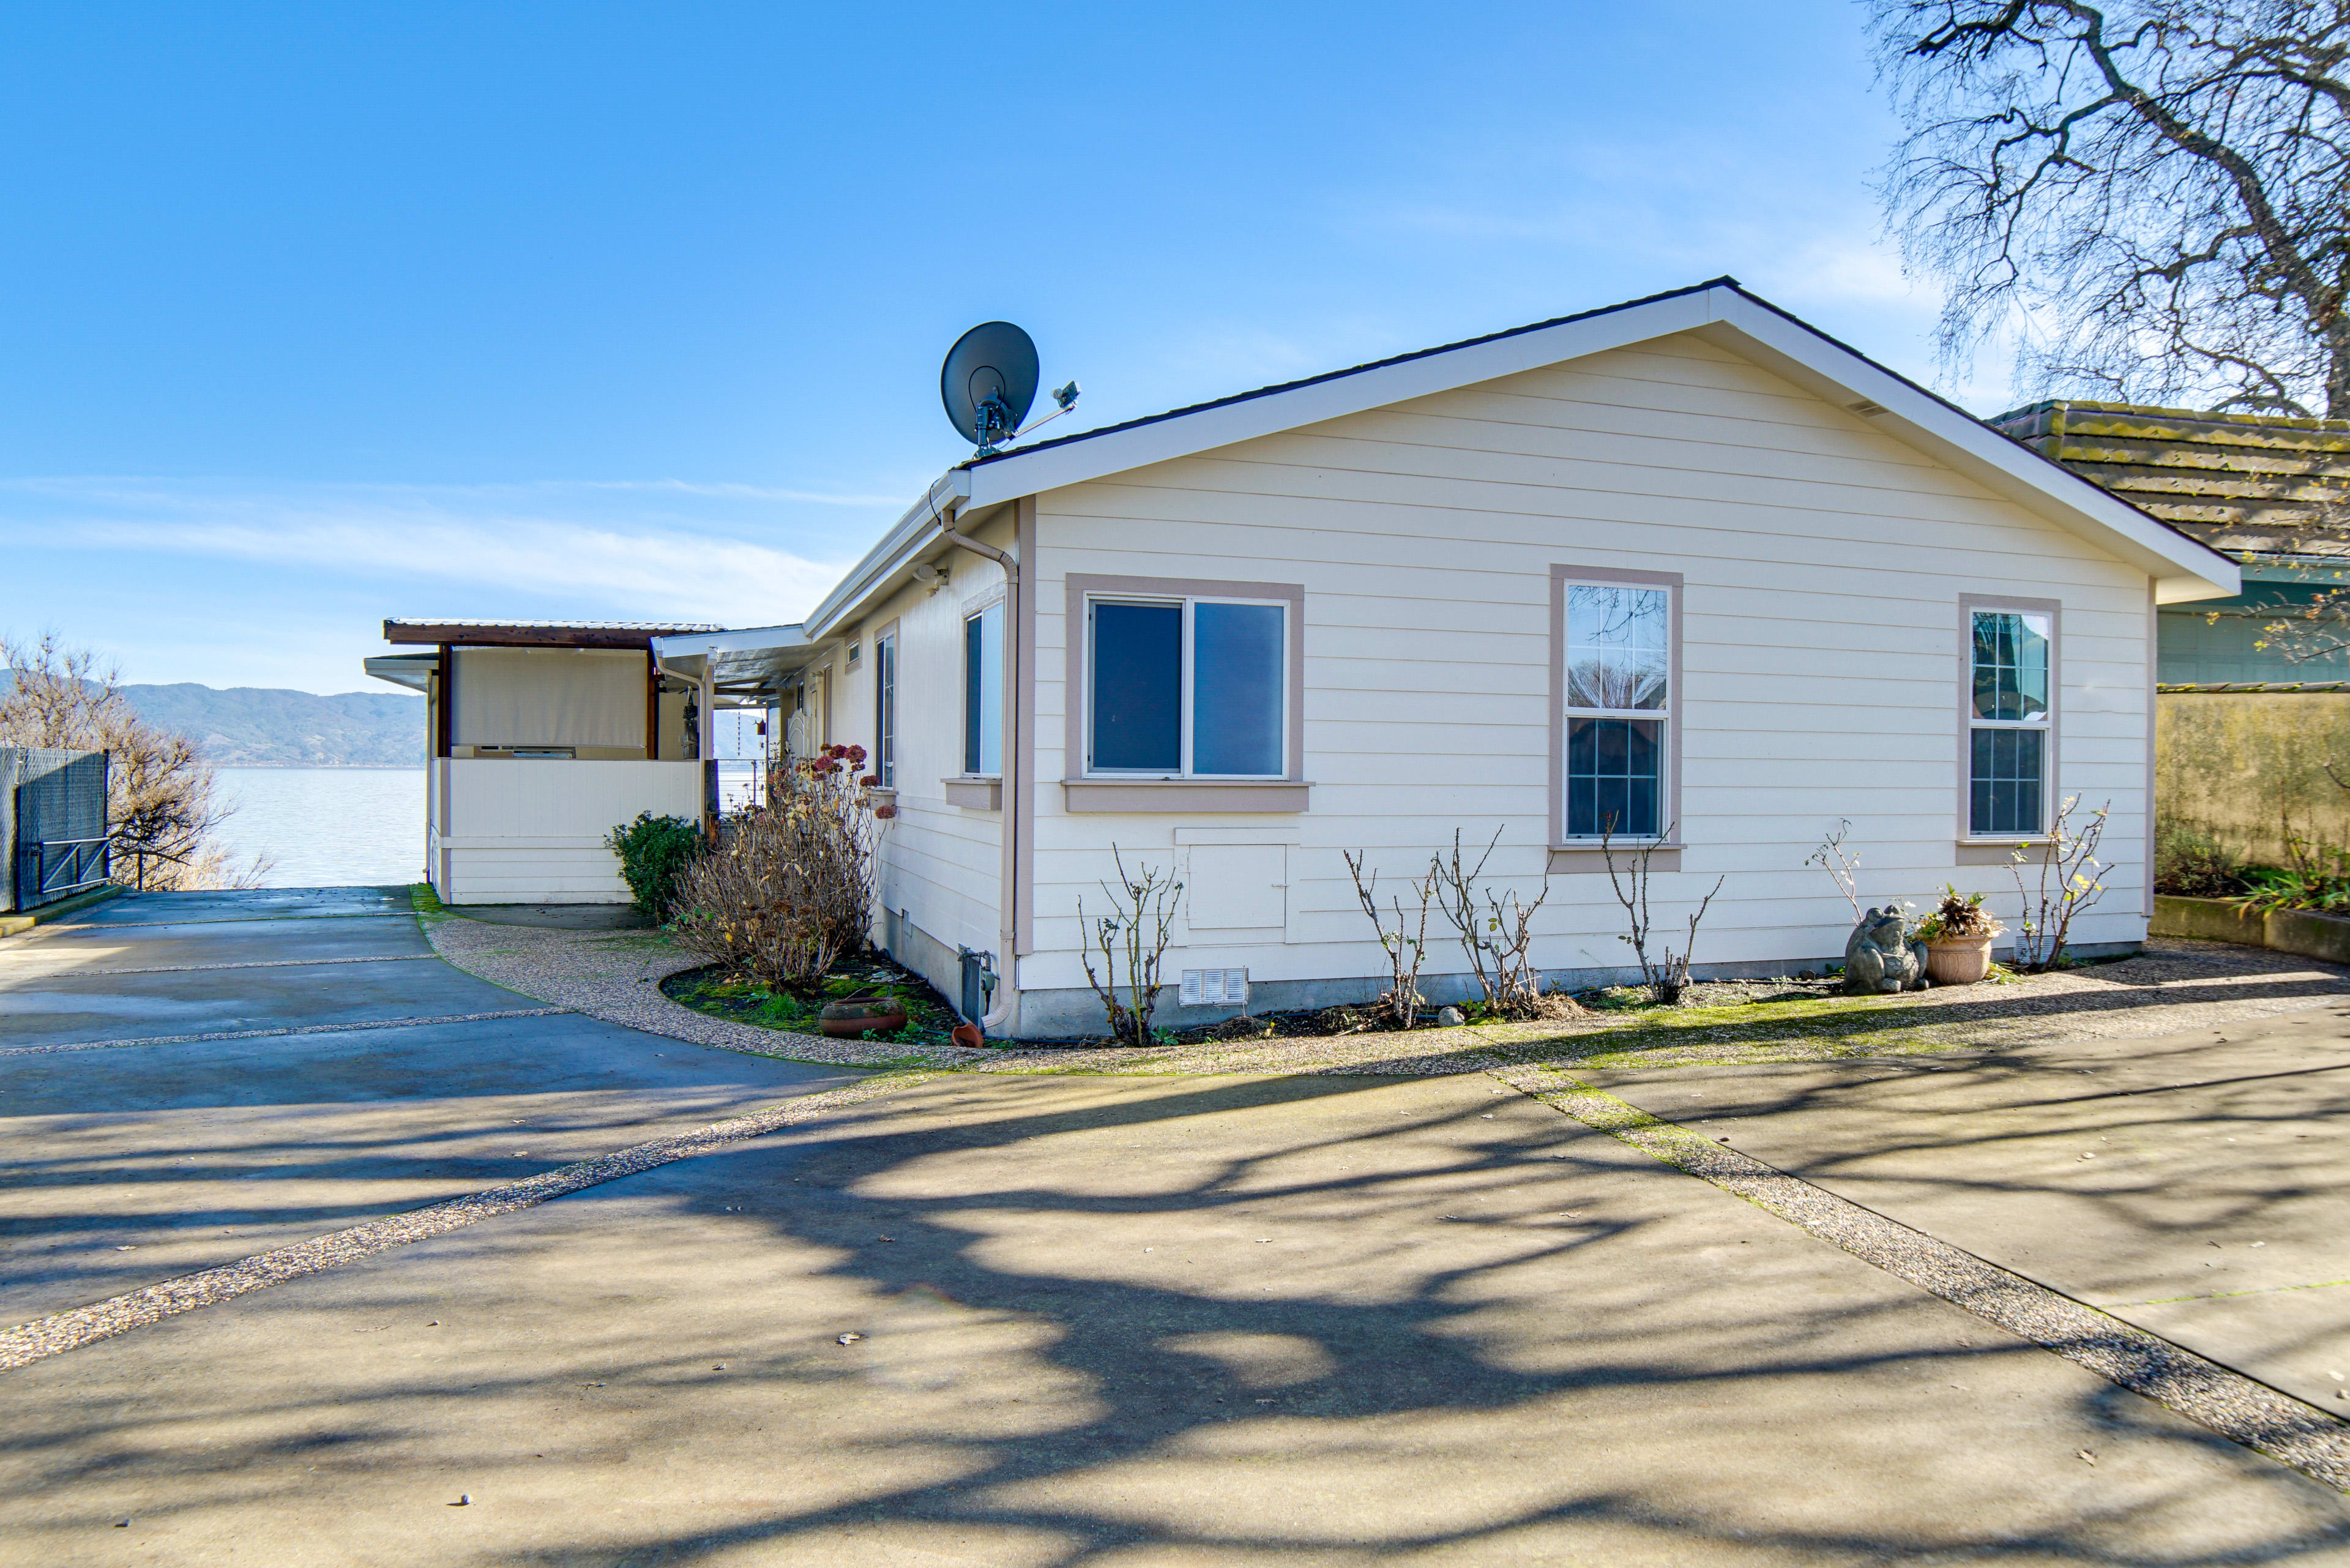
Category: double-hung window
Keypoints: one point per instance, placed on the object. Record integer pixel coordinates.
(1619, 697)
(2008, 721)
(983, 692)
(885, 710)
(1187, 687)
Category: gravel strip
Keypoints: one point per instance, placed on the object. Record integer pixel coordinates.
(616, 976)
(2175, 986)
(2234, 1406)
(61, 1332)
(271, 1034)
(251, 963)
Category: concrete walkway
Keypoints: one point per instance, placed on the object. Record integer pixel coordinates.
(2197, 1185)
(1090, 1320)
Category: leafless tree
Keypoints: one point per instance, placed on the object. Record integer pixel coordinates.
(1495, 930)
(2070, 880)
(1132, 937)
(2154, 195)
(1406, 946)
(1841, 866)
(1667, 976)
(163, 803)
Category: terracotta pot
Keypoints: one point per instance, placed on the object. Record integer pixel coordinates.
(1958, 961)
(849, 1018)
(967, 1036)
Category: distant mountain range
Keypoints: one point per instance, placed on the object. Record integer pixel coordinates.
(252, 726)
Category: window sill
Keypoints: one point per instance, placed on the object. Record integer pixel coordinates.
(1083, 795)
(1998, 851)
(1584, 855)
(974, 793)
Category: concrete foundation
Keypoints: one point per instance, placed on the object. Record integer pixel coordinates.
(1076, 1013)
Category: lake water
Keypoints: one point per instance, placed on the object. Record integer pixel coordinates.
(327, 827)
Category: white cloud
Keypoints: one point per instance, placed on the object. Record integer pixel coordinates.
(479, 537)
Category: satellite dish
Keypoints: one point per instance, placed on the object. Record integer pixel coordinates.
(987, 383)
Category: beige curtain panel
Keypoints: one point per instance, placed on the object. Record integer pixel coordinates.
(549, 697)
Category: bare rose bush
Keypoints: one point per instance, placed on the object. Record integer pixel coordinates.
(788, 891)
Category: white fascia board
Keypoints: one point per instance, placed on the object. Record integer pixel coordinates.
(908, 540)
(2181, 568)
(750, 640)
(1049, 468)
(412, 671)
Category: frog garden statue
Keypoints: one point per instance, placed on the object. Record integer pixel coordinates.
(1876, 961)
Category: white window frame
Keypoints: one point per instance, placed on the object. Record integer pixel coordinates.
(979, 612)
(1667, 718)
(2048, 723)
(1186, 684)
(884, 709)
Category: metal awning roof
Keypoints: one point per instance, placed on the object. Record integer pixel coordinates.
(753, 665)
(414, 671)
(539, 633)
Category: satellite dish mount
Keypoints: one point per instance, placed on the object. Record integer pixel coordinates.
(988, 382)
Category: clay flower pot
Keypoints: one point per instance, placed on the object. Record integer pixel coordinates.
(967, 1036)
(852, 1016)
(1957, 960)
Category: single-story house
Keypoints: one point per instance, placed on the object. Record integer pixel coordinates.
(543, 736)
(1685, 569)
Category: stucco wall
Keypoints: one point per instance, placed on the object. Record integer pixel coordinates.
(2237, 764)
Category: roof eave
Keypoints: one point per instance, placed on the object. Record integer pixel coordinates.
(2182, 568)
(881, 569)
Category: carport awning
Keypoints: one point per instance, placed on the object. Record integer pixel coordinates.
(747, 668)
(414, 671)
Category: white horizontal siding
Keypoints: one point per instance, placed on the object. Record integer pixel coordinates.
(937, 865)
(1823, 563)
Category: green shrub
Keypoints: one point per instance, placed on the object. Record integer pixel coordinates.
(654, 852)
(2190, 863)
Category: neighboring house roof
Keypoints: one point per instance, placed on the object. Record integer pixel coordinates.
(539, 633)
(1720, 311)
(2243, 483)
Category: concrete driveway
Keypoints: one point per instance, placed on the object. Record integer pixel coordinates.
(320, 1105)
(1090, 1320)
(2196, 1185)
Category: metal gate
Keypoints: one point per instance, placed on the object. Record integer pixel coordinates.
(53, 823)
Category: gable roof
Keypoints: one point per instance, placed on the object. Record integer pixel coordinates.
(1720, 311)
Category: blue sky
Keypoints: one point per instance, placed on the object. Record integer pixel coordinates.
(313, 314)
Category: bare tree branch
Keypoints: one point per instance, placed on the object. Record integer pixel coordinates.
(2153, 195)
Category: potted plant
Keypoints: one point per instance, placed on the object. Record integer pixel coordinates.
(1958, 936)
(851, 1017)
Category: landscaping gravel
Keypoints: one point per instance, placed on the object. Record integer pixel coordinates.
(2175, 986)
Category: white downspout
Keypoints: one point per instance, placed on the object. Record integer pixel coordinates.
(1007, 990)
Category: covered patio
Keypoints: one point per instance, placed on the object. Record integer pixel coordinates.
(544, 736)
